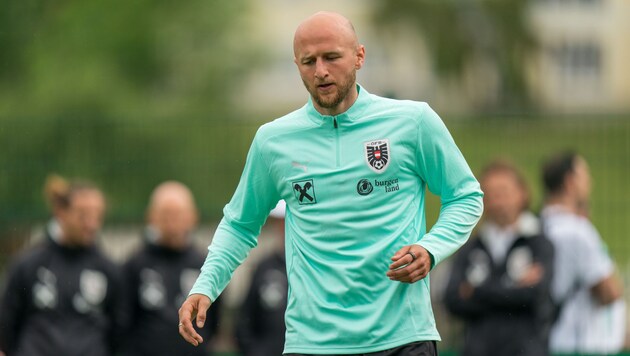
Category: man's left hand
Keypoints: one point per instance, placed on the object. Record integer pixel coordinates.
(410, 264)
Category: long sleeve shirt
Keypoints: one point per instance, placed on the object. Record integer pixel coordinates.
(354, 185)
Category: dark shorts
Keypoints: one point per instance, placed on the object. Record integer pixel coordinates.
(419, 348)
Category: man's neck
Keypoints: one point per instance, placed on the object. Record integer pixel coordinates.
(563, 201)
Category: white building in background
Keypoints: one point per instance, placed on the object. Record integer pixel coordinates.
(277, 87)
(583, 65)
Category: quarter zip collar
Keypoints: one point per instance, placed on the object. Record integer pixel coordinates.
(353, 113)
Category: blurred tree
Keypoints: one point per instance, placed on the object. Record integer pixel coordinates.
(140, 58)
(120, 92)
(459, 31)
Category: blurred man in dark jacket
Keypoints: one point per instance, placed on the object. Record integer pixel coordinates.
(500, 282)
(260, 329)
(160, 275)
(63, 295)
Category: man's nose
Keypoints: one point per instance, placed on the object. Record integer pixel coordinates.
(321, 71)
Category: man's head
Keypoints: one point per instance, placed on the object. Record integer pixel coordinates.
(172, 212)
(328, 54)
(506, 194)
(79, 207)
(566, 177)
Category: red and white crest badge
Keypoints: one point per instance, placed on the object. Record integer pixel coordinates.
(377, 155)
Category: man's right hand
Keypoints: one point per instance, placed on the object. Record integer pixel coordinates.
(195, 307)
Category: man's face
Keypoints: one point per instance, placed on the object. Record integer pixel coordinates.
(174, 217)
(581, 181)
(81, 221)
(504, 198)
(327, 61)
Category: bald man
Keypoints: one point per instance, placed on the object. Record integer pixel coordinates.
(352, 168)
(160, 275)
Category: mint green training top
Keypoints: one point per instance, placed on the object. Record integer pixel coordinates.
(354, 185)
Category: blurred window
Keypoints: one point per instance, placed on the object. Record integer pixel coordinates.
(579, 61)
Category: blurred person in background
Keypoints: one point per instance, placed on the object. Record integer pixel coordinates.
(160, 275)
(586, 290)
(352, 168)
(501, 279)
(260, 328)
(63, 295)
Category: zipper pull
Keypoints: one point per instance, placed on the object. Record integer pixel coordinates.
(335, 122)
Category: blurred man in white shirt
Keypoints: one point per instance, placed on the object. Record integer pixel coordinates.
(591, 314)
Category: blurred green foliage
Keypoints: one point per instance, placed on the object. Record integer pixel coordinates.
(142, 60)
(123, 93)
(457, 31)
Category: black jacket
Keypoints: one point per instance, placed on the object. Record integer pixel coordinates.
(61, 301)
(260, 329)
(502, 318)
(157, 281)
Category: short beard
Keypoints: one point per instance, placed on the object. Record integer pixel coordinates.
(342, 93)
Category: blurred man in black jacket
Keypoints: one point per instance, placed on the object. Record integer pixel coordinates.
(159, 277)
(260, 329)
(63, 296)
(500, 282)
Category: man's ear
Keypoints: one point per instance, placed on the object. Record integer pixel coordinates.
(360, 57)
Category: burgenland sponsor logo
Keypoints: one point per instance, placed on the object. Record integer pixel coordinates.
(365, 186)
(390, 185)
(304, 191)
